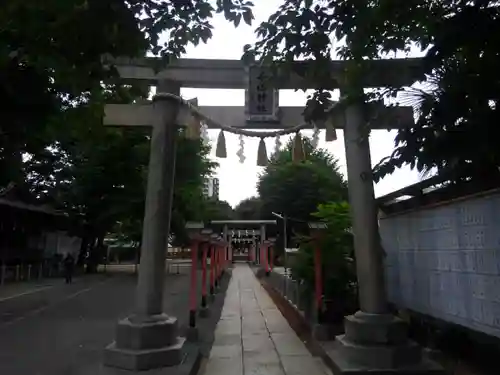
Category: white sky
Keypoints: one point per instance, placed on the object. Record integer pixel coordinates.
(238, 181)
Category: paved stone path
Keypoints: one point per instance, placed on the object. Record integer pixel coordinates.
(252, 336)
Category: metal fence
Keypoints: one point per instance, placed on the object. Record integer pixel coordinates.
(27, 272)
(293, 291)
(36, 271)
(172, 266)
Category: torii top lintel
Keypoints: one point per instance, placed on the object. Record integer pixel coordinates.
(230, 74)
(243, 222)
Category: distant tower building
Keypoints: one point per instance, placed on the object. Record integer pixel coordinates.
(215, 188)
(211, 188)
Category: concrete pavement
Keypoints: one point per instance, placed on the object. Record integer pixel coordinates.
(252, 336)
(63, 330)
(14, 290)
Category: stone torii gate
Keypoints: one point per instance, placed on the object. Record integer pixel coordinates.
(231, 227)
(374, 338)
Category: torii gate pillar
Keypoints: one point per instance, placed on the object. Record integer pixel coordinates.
(374, 338)
(229, 250)
(262, 239)
(149, 338)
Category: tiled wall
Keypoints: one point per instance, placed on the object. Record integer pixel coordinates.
(445, 262)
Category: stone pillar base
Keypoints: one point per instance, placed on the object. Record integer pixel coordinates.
(192, 334)
(204, 312)
(325, 332)
(145, 344)
(378, 344)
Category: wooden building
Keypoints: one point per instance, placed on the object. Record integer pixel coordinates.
(29, 233)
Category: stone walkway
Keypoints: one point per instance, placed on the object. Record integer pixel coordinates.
(252, 336)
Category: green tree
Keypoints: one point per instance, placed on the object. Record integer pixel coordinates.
(460, 41)
(193, 167)
(337, 259)
(295, 189)
(100, 176)
(218, 210)
(316, 180)
(53, 144)
(248, 209)
(53, 51)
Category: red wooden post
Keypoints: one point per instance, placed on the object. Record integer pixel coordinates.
(271, 257)
(266, 259)
(217, 264)
(223, 259)
(226, 256)
(192, 289)
(212, 269)
(223, 252)
(204, 276)
(318, 277)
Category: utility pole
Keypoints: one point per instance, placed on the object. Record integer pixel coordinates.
(285, 243)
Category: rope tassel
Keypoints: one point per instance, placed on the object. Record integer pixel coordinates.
(220, 150)
(262, 159)
(298, 153)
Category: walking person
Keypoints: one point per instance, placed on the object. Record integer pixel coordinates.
(69, 265)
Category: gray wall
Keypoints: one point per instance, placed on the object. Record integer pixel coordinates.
(444, 261)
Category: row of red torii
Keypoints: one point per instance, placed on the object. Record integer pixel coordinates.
(217, 247)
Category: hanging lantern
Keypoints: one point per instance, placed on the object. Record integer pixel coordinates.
(298, 153)
(262, 159)
(220, 150)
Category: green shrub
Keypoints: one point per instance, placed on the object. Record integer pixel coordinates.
(337, 258)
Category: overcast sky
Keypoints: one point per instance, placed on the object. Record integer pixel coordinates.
(238, 181)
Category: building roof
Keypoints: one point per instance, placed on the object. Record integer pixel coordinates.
(29, 207)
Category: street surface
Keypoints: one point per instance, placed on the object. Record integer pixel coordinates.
(59, 329)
